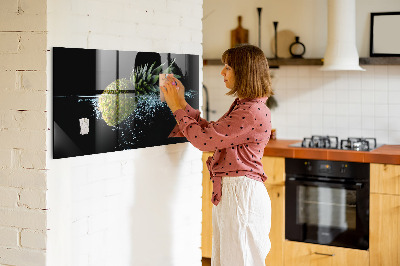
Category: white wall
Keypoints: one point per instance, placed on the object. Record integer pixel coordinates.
(134, 207)
(305, 18)
(22, 132)
(311, 102)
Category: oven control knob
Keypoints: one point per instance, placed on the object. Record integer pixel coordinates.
(343, 168)
(308, 166)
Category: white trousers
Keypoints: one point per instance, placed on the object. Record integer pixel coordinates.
(241, 223)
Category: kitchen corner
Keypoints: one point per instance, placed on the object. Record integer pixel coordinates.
(378, 199)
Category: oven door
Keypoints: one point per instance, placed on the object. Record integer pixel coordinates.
(327, 213)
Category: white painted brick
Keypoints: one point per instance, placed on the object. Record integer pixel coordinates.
(162, 33)
(8, 6)
(179, 7)
(16, 158)
(23, 178)
(31, 80)
(190, 23)
(196, 10)
(168, 19)
(132, 43)
(11, 138)
(33, 239)
(5, 158)
(33, 199)
(190, 48)
(32, 42)
(80, 227)
(33, 7)
(149, 7)
(34, 120)
(7, 82)
(32, 61)
(8, 197)
(17, 256)
(9, 42)
(98, 222)
(9, 237)
(109, 41)
(196, 37)
(23, 218)
(114, 186)
(22, 22)
(33, 159)
(105, 11)
(23, 100)
(31, 53)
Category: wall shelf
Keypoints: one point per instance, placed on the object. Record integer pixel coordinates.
(274, 63)
(380, 61)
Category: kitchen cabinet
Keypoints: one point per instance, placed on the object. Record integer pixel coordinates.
(206, 225)
(385, 178)
(274, 168)
(385, 214)
(305, 254)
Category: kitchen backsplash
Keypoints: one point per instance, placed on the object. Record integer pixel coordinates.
(314, 102)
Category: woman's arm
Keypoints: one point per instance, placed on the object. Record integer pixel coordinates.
(239, 127)
(174, 93)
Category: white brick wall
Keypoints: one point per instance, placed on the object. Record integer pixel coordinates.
(135, 207)
(23, 132)
(100, 207)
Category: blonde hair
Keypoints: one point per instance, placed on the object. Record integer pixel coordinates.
(250, 66)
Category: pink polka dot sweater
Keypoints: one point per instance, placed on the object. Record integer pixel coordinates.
(238, 139)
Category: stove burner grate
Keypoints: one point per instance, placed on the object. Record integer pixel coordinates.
(327, 142)
(332, 142)
(358, 144)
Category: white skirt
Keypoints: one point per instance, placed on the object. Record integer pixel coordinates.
(241, 223)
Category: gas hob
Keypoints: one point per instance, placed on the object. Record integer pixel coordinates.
(332, 142)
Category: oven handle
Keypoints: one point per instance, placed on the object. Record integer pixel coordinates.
(357, 185)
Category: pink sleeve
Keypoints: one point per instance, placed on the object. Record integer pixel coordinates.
(235, 129)
(195, 114)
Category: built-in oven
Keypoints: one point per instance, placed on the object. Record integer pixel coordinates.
(327, 202)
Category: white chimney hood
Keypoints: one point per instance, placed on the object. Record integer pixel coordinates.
(341, 51)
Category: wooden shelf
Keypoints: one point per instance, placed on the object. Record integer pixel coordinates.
(273, 63)
(380, 61)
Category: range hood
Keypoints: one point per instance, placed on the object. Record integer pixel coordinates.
(341, 51)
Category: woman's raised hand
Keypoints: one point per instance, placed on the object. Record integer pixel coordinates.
(174, 93)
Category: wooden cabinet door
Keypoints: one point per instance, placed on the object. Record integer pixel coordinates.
(305, 254)
(206, 232)
(274, 168)
(385, 178)
(277, 233)
(384, 236)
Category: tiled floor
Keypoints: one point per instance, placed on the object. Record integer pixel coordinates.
(206, 261)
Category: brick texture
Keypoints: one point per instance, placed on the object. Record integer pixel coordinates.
(23, 63)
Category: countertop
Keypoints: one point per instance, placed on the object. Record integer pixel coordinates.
(389, 154)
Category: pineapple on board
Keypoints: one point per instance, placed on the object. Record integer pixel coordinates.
(117, 102)
(145, 79)
(120, 98)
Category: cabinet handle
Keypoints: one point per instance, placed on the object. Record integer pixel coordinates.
(325, 254)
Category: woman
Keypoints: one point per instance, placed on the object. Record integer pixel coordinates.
(242, 208)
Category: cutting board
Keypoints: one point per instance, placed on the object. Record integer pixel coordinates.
(239, 35)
